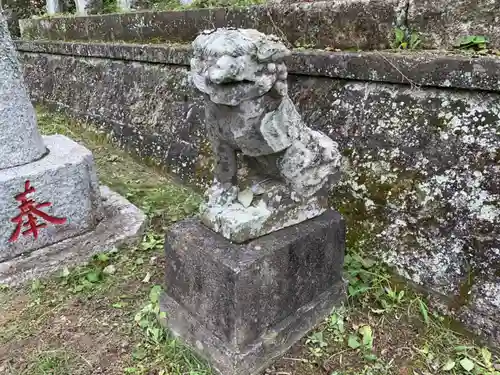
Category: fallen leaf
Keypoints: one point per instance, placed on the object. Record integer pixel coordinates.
(109, 270)
(449, 365)
(353, 342)
(467, 364)
(147, 278)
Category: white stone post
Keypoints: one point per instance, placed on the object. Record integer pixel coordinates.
(53, 7)
(85, 7)
(125, 5)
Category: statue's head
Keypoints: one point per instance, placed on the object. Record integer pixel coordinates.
(234, 65)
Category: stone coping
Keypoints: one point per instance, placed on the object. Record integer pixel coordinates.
(426, 68)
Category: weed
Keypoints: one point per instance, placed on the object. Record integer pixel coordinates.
(56, 15)
(358, 337)
(405, 39)
(316, 343)
(224, 3)
(473, 42)
(303, 44)
(180, 358)
(336, 324)
(109, 6)
(52, 362)
(148, 317)
(52, 365)
(91, 276)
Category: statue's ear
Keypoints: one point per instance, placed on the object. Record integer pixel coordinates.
(271, 51)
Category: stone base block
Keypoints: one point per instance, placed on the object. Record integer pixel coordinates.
(241, 305)
(122, 224)
(262, 208)
(49, 200)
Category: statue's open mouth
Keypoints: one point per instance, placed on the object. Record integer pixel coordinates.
(244, 82)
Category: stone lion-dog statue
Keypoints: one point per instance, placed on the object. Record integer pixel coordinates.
(289, 166)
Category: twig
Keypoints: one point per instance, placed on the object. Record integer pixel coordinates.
(334, 354)
(296, 359)
(283, 35)
(410, 81)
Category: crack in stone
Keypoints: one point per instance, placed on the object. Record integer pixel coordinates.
(402, 10)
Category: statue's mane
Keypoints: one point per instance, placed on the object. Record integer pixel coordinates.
(239, 42)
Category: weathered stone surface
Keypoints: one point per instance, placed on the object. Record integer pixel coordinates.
(247, 110)
(122, 224)
(20, 141)
(14, 10)
(338, 24)
(242, 305)
(66, 179)
(177, 54)
(443, 22)
(364, 24)
(481, 315)
(422, 163)
(422, 68)
(433, 185)
(268, 208)
(12, 20)
(165, 133)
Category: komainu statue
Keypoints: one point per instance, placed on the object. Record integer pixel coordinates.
(272, 171)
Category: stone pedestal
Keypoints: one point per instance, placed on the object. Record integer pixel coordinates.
(52, 213)
(64, 182)
(241, 305)
(122, 224)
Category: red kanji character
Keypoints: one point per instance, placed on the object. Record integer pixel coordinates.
(29, 209)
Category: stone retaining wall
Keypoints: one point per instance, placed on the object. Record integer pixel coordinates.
(307, 24)
(344, 24)
(420, 134)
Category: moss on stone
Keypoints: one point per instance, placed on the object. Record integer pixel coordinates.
(465, 288)
(203, 168)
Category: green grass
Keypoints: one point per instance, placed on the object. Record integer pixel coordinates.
(104, 315)
(51, 363)
(163, 200)
(108, 293)
(386, 328)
